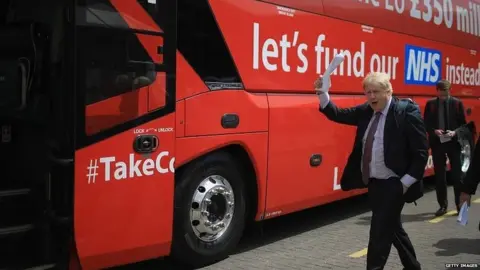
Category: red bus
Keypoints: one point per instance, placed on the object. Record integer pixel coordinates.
(140, 129)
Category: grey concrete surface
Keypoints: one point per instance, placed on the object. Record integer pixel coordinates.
(335, 236)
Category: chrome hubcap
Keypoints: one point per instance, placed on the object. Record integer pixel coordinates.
(212, 208)
(465, 155)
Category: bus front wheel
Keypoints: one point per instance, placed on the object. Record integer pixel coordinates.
(209, 216)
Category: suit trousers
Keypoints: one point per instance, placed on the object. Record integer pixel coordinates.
(452, 150)
(386, 200)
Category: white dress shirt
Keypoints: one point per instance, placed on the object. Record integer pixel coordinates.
(378, 169)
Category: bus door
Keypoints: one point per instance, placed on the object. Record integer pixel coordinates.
(125, 105)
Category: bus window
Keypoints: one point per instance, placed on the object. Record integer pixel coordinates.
(115, 69)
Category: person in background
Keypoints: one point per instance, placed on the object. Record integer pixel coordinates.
(444, 115)
(387, 158)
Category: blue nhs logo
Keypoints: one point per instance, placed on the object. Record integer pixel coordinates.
(422, 66)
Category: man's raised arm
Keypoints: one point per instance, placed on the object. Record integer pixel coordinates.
(347, 116)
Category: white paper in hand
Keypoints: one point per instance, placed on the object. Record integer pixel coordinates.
(444, 138)
(463, 215)
(337, 60)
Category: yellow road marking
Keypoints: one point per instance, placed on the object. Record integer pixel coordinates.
(438, 219)
(364, 251)
(359, 254)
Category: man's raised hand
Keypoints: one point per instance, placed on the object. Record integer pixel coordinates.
(318, 85)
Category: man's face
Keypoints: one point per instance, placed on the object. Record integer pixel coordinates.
(377, 97)
(442, 94)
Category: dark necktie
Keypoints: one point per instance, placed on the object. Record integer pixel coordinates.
(367, 152)
(445, 111)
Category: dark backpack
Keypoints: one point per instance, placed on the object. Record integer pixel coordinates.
(400, 110)
(415, 191)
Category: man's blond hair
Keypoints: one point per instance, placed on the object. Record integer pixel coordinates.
(380, 79)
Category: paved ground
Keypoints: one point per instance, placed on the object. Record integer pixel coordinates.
(335, 237)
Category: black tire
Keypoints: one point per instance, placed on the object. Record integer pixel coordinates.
(187, 248)
(466, 141)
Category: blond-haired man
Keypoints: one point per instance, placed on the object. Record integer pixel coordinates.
(389, 157)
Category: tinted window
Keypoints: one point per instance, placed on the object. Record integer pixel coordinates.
(114, 68)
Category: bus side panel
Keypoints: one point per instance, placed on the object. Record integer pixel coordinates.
(298, 131)
(204, 113)
(310, 5)
(446, 21)
(285, 50)
(411, 17)
(124, 200)
(255, 144)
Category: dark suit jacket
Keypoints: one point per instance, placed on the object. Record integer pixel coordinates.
(456, 117)
(406, 146)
